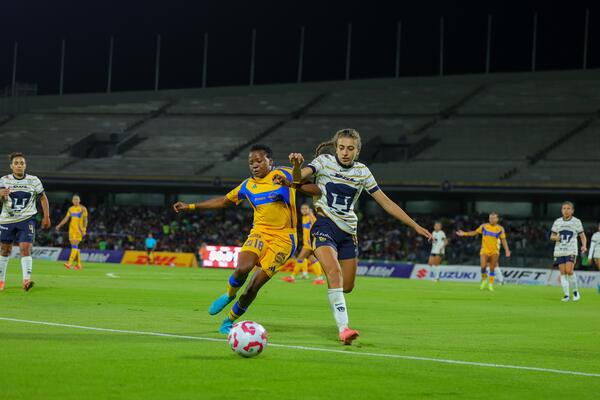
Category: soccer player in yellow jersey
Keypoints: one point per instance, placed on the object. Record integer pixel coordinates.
(490, 233)
(272, 239)
(306, 253)
(77, 229)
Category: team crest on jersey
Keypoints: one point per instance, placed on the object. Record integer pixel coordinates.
(280, 258)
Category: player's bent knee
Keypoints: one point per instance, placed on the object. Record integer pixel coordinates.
(5, 250)
(245, 268)
(348, 289)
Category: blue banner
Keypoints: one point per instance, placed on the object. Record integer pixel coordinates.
(384, 269)
(100, 256)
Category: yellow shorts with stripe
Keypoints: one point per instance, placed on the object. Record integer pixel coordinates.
(273, 250)
(306, 241)
(485, 252)
(75, 234)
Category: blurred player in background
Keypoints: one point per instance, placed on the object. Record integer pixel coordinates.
(341, 179)
(18, 195)
(272, 239)
(438, 246)
(490, 233)
(306, 253)
(564, 233)
(150, 244)
(77, 229)
(595, 248)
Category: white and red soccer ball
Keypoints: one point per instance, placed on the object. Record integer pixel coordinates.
(247, 338)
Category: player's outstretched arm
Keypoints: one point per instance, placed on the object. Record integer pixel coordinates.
(217, 202)
(309, 189)
(46, 224)
(299, 174)
(63, 221)
(505, 246)
(395, 211)
(469, 233)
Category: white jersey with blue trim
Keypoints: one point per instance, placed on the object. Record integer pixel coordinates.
(438, 245)
(21, 202)
(341, 187)
(595, 246)
(567, 229)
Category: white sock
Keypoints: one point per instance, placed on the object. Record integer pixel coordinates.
(3, 268)
(565, 284)
(573, 282)
(338, 307)
(499, 275)
(433, 271)
(26, 266)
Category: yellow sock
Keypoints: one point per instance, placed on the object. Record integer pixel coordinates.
(73, 254)
(484, 277)
(492, 277)
(78, 257)
(298, 267)
(316, 266)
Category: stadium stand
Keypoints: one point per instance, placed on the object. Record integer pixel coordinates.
(508, 128)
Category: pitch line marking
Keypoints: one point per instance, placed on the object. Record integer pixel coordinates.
(307, 348)
(111, 275)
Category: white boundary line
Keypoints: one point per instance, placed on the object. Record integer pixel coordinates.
(306, 348)
(111, 275)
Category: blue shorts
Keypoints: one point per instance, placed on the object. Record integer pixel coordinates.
(18, 232)
(564, 260)
(325, 232)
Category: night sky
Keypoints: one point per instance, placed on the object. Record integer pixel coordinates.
(40, 25)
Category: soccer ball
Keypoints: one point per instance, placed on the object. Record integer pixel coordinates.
(247, 338)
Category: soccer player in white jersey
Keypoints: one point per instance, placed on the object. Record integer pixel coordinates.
(341, 180)
(18, 195)
(438, 247)
(564, 233)
(595, 248)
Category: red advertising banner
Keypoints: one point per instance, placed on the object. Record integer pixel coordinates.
(219, 256)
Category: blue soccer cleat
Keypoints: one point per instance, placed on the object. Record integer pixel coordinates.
(226, 326)
(219, 304)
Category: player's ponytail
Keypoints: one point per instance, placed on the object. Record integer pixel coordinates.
(322, 146)
(344, 133)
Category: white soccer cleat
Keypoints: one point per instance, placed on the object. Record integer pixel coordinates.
(576, 295)
(565, 299)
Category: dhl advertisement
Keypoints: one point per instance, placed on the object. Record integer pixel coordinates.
(163, 258)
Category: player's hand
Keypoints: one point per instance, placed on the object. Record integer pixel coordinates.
(58, 227)
(46, 224)
(4, 192)
(281, 180)
(460, 233)
(180, 206)
(296, 159)
(423, 232)
(507, 253)
(584, 249)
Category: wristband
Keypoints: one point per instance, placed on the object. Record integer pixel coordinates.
(192, 206)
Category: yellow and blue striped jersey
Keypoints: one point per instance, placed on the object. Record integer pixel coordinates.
(490, 238)
(274, 205)
(307, 223)
(77, 214)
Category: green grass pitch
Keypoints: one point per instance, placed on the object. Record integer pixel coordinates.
(516, 325)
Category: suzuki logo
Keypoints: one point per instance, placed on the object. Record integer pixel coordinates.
(422, 273)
